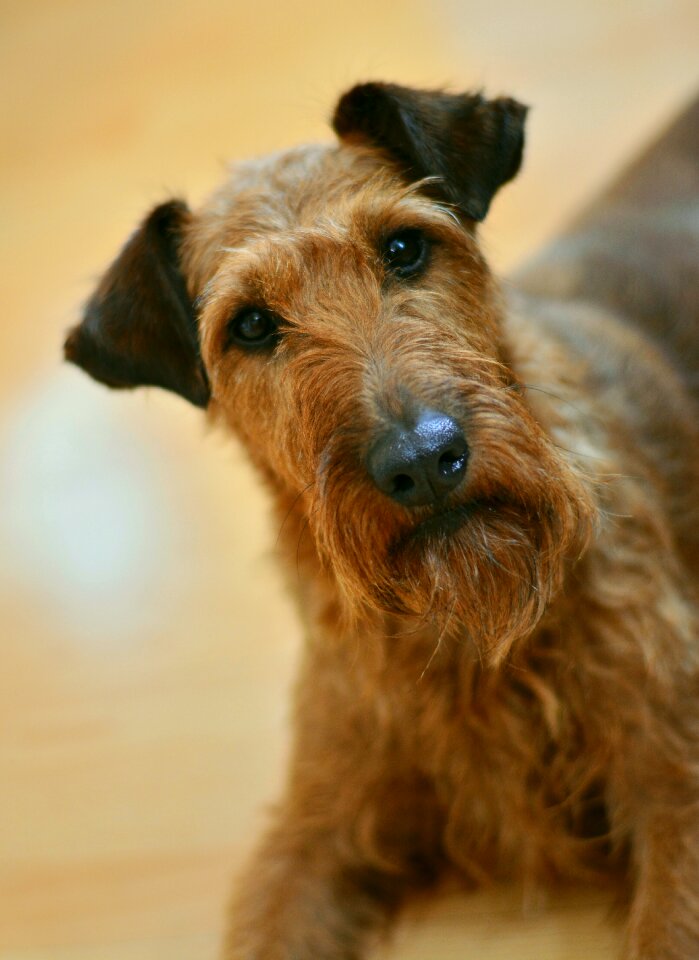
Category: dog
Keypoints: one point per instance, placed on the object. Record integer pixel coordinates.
(489, 505)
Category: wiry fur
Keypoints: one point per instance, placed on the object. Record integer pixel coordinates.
(507, 684)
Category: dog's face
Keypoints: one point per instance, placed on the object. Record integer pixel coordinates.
(332, 304)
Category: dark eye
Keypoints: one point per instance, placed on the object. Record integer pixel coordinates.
(253, 329)
(405, 253)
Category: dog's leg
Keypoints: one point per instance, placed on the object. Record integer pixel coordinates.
(357, 828)
(303, 899)
(664, 921)
(654, 801)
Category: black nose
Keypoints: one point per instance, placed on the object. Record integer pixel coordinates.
(419, 466)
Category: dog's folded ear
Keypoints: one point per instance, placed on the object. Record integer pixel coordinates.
(471, 144)
(139, 326)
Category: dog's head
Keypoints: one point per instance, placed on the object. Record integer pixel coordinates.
(332, 304)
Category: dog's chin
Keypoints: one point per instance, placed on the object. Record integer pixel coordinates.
(437, 555)
(480, 569)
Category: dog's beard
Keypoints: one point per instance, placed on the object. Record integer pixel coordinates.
(484, 566)
(490, 579)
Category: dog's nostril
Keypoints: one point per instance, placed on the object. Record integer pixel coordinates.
(402, 483)
(450, 462)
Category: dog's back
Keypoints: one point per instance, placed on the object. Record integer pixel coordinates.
(636, 248)
(634, 252)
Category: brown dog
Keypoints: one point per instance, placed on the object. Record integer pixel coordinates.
(493, 504)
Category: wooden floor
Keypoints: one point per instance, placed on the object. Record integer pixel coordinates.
(146, 644)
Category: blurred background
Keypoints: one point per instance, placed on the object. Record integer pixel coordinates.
(147, 646)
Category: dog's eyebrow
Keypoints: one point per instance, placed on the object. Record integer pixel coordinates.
(449, 211)
(430, 210)
(418, 185)
(414, 190)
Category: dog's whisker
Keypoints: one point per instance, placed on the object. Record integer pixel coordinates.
(438, 644)
(304, 528)
(292, 508)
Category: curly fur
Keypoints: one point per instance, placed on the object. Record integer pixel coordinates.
(508, 684)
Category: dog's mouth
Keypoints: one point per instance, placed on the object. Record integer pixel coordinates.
(443, 523)
(440, 524)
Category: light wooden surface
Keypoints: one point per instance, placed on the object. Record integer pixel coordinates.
(147, 646)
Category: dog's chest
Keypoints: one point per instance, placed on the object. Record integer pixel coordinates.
(517, 771)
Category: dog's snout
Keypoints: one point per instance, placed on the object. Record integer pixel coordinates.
(417, 466)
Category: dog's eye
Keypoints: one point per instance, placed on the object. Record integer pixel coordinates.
(253, 329)
(405, 253)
